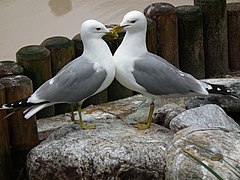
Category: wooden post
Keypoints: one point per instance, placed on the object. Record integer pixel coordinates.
(116, 90)
(233, 21)
(215, 36)
(36, 61)
(165, 16)
(190, 34)
(78, 45)
(5, 153)
(151, 38)
(23, 133)
(9, 68)
(62, 52)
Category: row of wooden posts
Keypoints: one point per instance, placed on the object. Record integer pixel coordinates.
(202, 40)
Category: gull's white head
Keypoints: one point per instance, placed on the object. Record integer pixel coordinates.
(92, 29)
(134, 21)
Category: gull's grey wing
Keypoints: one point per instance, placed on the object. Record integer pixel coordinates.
(75, 82)
(159, 77)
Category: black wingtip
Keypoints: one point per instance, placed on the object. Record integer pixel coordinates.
(221, 89)
(22, 103)
(17, 104)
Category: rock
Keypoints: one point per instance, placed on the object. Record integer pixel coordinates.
(216, 147)
(163, 105)
(48, 125)
(119, 108)
(229, 104)
(114, 150)
(205, 116)
(166, 113)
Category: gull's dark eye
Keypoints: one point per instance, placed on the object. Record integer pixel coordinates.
(133, 21)
(98, 29)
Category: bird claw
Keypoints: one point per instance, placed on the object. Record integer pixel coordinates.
(141, 121)
(89, 126)
(142, 126)
(85, 126)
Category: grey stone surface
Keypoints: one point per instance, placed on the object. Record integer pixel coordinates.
(114, 150)
(166, 113)
(228, 103)
(205, 116)
(224, 160)
(119, 109)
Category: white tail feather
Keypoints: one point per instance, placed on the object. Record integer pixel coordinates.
(26, 110)
(33, 110)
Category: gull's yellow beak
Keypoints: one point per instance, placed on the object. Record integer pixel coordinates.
(114, 31)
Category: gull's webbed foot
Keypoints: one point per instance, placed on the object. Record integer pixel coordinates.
(89, 126)
(80, 121)
(143, 126)
(83, 125)
(141, 121)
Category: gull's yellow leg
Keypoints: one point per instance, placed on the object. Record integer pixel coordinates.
(147, 123)
(80, 121)
(141, 121)
(72, 113)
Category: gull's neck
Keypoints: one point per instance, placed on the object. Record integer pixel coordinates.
(96, 47)
(133, 42)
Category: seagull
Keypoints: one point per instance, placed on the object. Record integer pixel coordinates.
(149, 74)
(83, 77)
